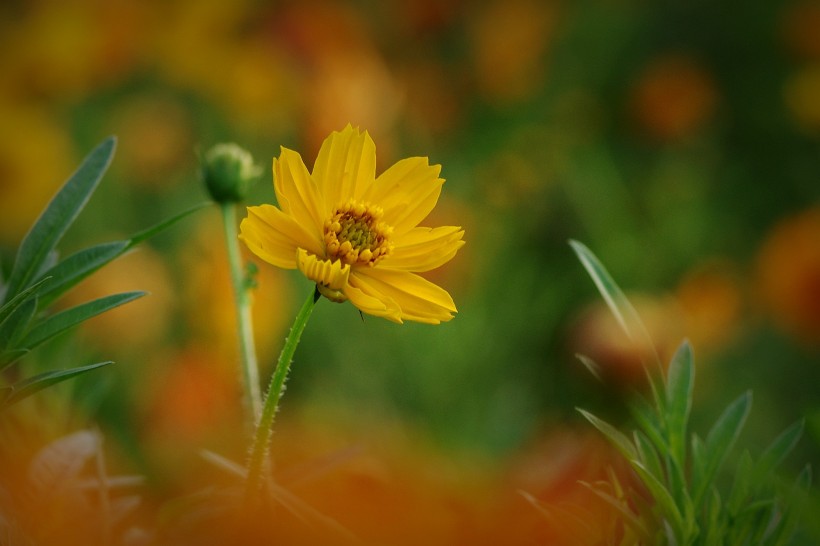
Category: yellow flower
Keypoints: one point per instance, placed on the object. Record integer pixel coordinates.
(357, 235)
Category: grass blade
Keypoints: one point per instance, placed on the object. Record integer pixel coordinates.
(60, 213)
(618, 439)
(162, 226)
(18, 299)
(618, 304)
(78, 266)
(64, 320)
(679, 386)
(622, 309)
(16, 324)
(29, 386)
(720, 440)
(11, 356)
(779, 449)
(665, 501)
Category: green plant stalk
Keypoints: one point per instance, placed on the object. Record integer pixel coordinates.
(264, 428)
(244, 319)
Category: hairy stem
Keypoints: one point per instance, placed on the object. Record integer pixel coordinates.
(264, 428)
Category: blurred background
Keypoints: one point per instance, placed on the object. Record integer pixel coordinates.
(679, 140)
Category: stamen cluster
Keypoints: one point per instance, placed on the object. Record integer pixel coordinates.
(356, 234)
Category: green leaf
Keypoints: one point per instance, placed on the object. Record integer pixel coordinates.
(647, 420)
(720, 440)
(162, 226)
(743, 482)
(10, 357)
(4, 394)
(648, 455)
(622, 506)
(779, 449)
(78, 266)
(60, 213)
(620, 307)
(29, 386)
(679, 385)
(18, 300)
(618, 304)
(666, 503)
(592, 367)
(16, 324)
(64, 320)
(715, 524)
(618, 439)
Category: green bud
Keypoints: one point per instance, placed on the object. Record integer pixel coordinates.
(228, 172)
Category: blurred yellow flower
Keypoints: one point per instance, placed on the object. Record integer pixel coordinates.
(354, 234)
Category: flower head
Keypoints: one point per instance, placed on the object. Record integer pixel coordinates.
(228, 172)
(357, 235)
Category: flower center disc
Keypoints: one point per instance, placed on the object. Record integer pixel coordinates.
(356, 234)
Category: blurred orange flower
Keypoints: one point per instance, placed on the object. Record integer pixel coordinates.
(141, 324)
(598, 335)
(673, 97)
(801, 28)
(711, 300)
(802, 97)
(357, 236)
(788, 274)
(510, 41)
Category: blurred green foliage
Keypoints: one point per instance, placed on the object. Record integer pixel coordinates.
(678, 140)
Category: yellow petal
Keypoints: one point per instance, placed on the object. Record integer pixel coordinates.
(419, 299)
(407, 192)
(274, 236)
(345, 167)
(296, 191)
(422, 249)
(369, 301)
(333, 274)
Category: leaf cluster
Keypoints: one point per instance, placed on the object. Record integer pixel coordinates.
(39, 277)
(679, 499)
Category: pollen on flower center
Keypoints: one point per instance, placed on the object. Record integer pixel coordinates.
(356, 234)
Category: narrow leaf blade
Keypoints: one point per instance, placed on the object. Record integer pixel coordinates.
(614, 297)
(60, 213)
(21, 297)
(721, 438)
(77, 267)
(679, 386)
(162, 226)
(27, 387)
(779, 449)
(64, 320)
(16, 324)
(616, 437)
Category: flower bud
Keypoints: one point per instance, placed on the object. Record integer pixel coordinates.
(228, 172)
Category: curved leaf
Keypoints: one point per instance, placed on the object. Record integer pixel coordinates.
(16, 324)
(616, 437)
(27, 387)
(18, 300)
(64, 320)
(60, 213)
(679, 385)
(78, 266)
(720, 440)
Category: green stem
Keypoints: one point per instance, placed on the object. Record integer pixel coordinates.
(264, 428)
(244, 319)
